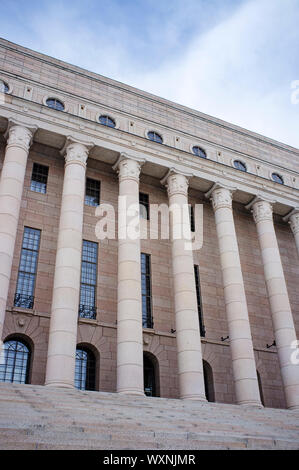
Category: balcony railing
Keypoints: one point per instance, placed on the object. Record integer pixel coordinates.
(23, 300)
(87, 311)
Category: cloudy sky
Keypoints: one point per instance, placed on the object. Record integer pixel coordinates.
(233, 59)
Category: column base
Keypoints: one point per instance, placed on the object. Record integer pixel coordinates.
(293, 408)
(251, 404)
(131, 392)
(194, 398)
(59, 385)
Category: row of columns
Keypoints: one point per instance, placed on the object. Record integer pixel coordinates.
(64, 315)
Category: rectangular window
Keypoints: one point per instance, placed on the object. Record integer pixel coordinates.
(39, 178)
(87, 307)
(92, 192)
(192, 218)
(144, 206)
(199, 302)
(147, 320)
(27, 269)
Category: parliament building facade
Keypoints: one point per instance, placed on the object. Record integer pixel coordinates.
(142, 316)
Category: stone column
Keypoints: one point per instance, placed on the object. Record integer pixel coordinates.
(65, 301)
(243, 361)
(129, 307)
(19, 138)
(190, 367)
(283, 324)
(293, 219)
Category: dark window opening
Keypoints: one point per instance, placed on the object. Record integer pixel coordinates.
(155, 137)
(277, 178)
(209, 381)
(87, 306)
(55, 104)
(260, 387)
(39, 178)
(92, 192)
(107, 121)
(144, 206)
(27, 269)
(150, 375)
(15, 362)
(199, 301)
(240, 165)
(192, 218)
(4, 88)
(147, 320)
(199, 152)
(85, 369)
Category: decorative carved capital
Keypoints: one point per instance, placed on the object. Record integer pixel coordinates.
(128, 167)
(19, 136)
(221, 197)
(262, 210)
(294, 222)
(176, 182)
(75, 151)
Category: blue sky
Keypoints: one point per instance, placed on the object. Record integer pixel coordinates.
(233, 59)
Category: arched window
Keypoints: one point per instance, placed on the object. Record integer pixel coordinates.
(151, 375)
(209, 381)
(240, 165)
(85, 369)
(107, 121)
(155, 137)
(55, 104)
(277, 178)
(15, 361)
(260, 387)
(199, 152)
(4, 88)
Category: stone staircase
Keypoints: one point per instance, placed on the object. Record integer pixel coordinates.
(37, 417)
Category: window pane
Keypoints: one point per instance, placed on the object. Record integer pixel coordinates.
(87, 306)
(92, 192)
(14, 363)
(27, 268)
(39, 178)
(144, 206)
(85, 369)
(147, 320)
(199, 303)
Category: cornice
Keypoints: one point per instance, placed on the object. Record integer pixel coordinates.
(143, 94)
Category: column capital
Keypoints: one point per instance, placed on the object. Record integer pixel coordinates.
(19, 134)
(76, 151)
(176, 182)
(128, 167)
(293, 219)
(261, 209)
(221, 196)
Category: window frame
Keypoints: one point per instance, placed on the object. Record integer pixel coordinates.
(280, 177)
(199, 301)
(89, 311)
(145, 204)
(204, 156)
(241, 164)
(17, 340)
(90, 357)
(155, 133)
(107, 117)
(147, 318)
(86, 188)
(31, 181)
(31, 297)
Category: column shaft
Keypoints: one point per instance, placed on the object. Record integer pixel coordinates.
(294, 223)
(129, 307)
(283, 324)
(244, 368)
(11, 190)
(190, 365)
(65, 301)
